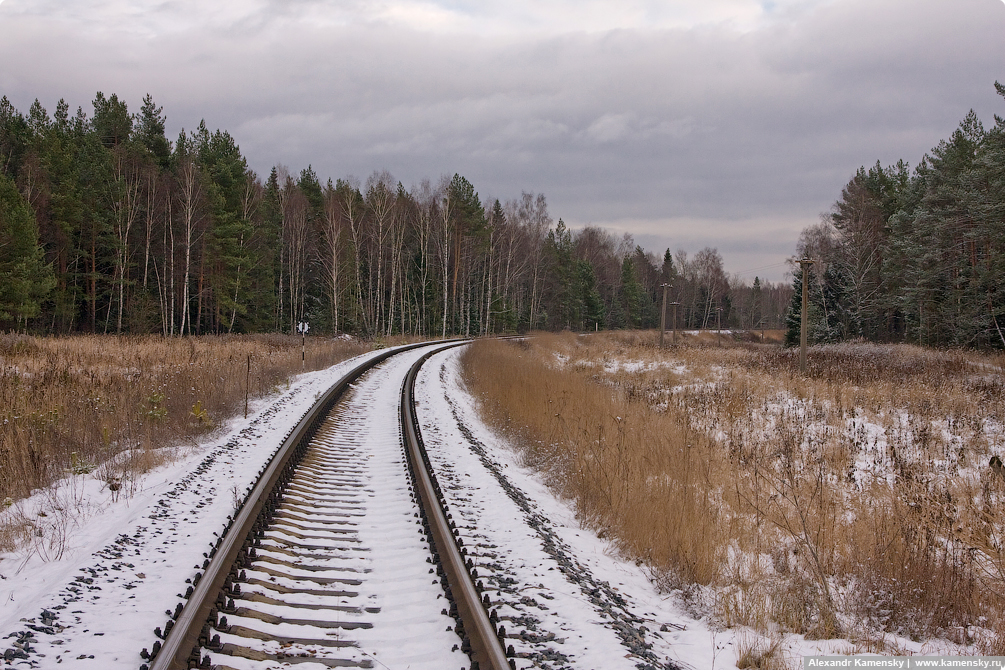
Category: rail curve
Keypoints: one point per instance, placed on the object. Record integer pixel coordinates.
(194, 625)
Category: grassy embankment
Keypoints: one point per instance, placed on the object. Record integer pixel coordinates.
(107, 406)
(855, 502)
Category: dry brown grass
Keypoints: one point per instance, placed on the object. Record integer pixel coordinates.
(856, 500)
(644, 478)
(105, 405)
(760, 654)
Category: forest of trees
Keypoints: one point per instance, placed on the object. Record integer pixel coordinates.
(915, 256)
(106, 226)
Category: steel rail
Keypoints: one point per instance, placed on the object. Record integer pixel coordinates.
(181, 647)
(486, 648)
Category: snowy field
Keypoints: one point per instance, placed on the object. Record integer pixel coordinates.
(901, 443)
(91, 591)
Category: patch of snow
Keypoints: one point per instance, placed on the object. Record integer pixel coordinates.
(122, 559)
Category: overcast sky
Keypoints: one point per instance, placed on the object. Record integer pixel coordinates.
(687, 123)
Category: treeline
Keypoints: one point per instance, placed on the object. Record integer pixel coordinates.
(915, 256)
(106, 226)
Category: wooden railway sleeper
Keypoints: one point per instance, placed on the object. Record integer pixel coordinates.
(265, 494)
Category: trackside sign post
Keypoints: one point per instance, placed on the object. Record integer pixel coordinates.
(303, 327)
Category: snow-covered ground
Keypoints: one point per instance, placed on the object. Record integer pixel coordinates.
(584, 585)
(565, 597)
(566, 600)
(876, 435)
(93, 593)
(345, 541)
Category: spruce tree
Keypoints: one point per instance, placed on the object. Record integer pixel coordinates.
(593, 303)
(793, 316)
(631, 294)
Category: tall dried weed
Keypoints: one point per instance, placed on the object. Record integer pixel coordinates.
(646, 479)
(859, 499)
(105, 405)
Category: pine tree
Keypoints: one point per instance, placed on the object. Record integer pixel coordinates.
(14, 138)
(668, 273)
(111, 121)
(469, 226)
(860, 218)
(943, 242)
(60, 222)
(149, 132)
(25, 279)
(96, 241)
(986, 202)
(231, 240)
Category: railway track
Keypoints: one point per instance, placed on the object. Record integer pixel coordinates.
(342, 553)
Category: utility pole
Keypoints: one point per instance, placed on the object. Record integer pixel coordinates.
(805, 264)
(663, 313)
(674, 305)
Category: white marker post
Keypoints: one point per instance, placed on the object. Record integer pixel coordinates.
(303, 327)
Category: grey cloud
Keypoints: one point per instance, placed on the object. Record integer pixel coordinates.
(694, 134)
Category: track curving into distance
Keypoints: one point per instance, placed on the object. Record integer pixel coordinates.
(341, 554)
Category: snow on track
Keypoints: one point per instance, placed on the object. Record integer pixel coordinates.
(346, 541)
(564, 601)
(127, 560)
(557, 610)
